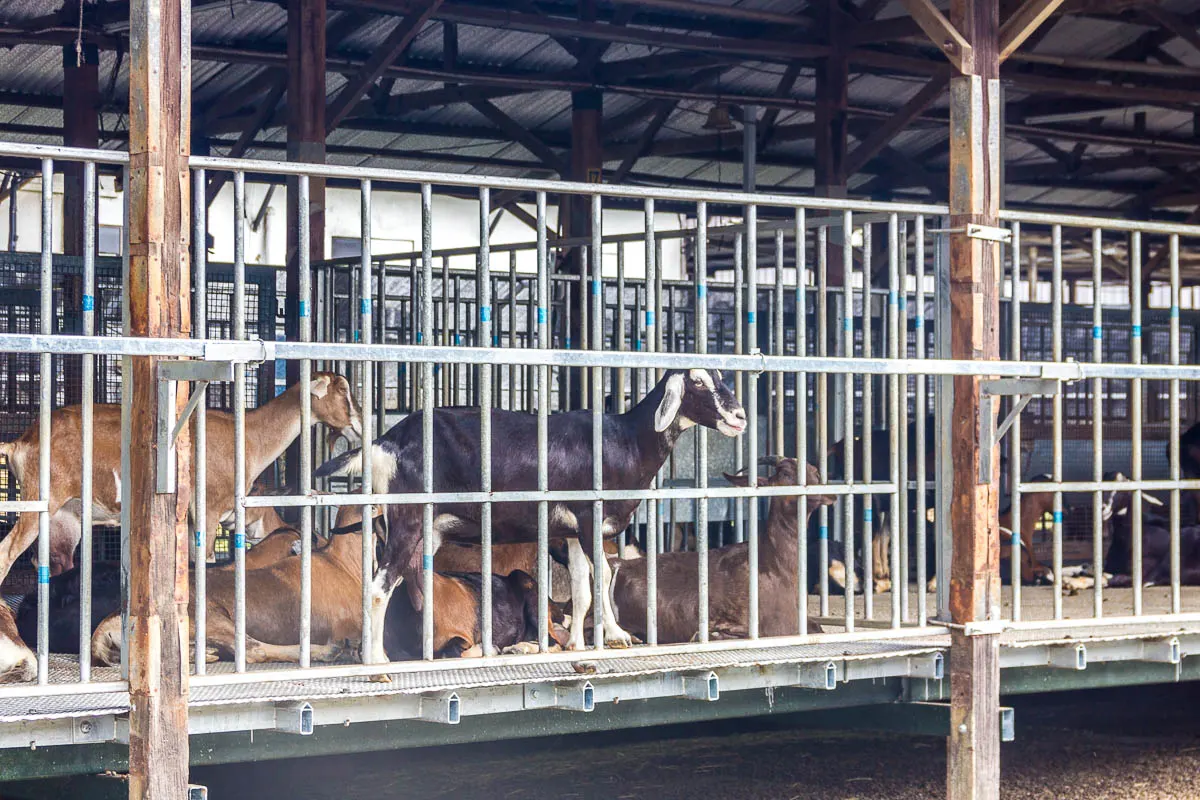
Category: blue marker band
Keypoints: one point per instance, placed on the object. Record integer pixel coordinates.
(485, 313)
(823, 531)
(1016, 540)
(919, 323)
(427, 563)
(866, 515)
(364, 305)
(420, 336)
(1058, 517)
(358, 336)
(199, 539)
(649, 319)
(903, 303)
(495, 340)
(847, 324)
(304, 308)
(1097, 332)
(541, 315)
(749, 317)
(1136, 330)
(701, 290)
(568, 343)
(239, 541)
(595, 287)
(892, 298)
(89, 303)
(1174, 312)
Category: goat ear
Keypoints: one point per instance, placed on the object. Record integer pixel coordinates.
(320, 386)
(669, 407)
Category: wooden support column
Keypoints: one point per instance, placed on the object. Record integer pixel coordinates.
(158, 294)
(832, 120)
(305, 143)
(973, 759)
(587, 165)
(81, 128)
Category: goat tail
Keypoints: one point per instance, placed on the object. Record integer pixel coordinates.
(347, 465)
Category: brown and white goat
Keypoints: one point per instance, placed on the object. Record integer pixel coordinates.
(728, 575)
(270, 429)
(1034, 506)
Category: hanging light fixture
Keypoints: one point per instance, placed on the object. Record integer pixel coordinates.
(718, 118)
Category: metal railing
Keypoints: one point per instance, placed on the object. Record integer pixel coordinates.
(829, 358)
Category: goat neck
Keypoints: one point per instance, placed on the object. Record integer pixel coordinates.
(271, 428)
(651, 444)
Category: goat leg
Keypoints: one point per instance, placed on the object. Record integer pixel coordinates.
(614, 634)
(581, 593)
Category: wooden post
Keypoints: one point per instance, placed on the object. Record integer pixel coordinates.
(159, 306)
(973, 759)
(305, 143)
(830, 135)
(81, 128)
(587, 165)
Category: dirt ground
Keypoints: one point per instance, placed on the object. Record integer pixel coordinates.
(1127, 744)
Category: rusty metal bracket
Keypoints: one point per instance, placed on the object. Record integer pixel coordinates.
(171, 373)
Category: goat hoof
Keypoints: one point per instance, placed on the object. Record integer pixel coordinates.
(380, 679)
(882, 585)
(521, 649)
(619, 642)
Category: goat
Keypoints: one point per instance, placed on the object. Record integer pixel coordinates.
(65, 594)
(1034, 506)
(1156, 544)
(17, 661)
(881, 467)
(457, 626)
(270, 429)
(728, 570)
(1189, 465)
(635, 446)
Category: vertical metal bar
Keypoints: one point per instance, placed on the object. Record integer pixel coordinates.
(778, 345)
(543, 410)
(306, 512)
(484, 296)
(752, 411)
(868, 422)
(1136, 409)
(596, 340)
(656, 302)
(1097, 428)
(920, 413)
(801, 390)
(427, 411)
(701, 433)
(620, 377)
(239, 423)
(651, 505)
(1014, 433)
(1174, 440)
(45, 406)
(848, 417)
(899, 566)
(88, 380)
(200, 444)
(1057, 346)
(367, 486)
(739, 380)
(513, 371)
(899, 332)
(821, 411)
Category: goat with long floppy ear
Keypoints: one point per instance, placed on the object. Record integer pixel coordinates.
(672, 399)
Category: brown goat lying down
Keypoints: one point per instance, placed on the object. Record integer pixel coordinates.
(728, 574)
(457, 617)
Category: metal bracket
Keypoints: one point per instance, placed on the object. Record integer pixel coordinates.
(570, 696)
(817, 676)
(703, 686)
(1022, 390)
(294, 718)
(169, 374)
(974, 230)
(445, 708)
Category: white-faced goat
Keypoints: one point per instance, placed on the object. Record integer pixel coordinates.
(728, 571)
(635, 446)
(270, 429)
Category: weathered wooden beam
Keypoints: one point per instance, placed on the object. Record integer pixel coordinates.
(665, 109)
(940, 31)
(81, 128)
(1175, 24)
(246, 138)
(519, 134)
(766, 126)
(392, 48)
(903, 117)
(158, 295)
(1023, 23)
(973, 750)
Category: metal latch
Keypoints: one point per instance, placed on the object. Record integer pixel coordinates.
(169, 374)
(974, 230)
(1022, 390)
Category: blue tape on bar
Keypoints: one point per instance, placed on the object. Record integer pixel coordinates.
(1135, 330)
(823, 531)
(1174, 312)
(892, 298)
(701, 291)
(43, 574)
(495, 340)
(364, 305)
(1097, 332)
(357, 336)
(541, 315)
(199, 539)
(1016, 540)
(639, 344)
(919, 323)
(485, 313)
(595, 287)
(420, 336)
(456, 340)
(749, 317)
(427, 563)
(1058, 517)
(304, 308)
(866, 515)
(239, 541)
(903, 303)
(89, 303)
(847, 324)
(568, 343)
(649, 319)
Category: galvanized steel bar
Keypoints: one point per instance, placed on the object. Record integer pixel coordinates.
(306, 441)
(899, 566)
(543, 412)
(1173, 450)
(801, 391)
(595, 257)
(868, 424)
(651, 505)
(45, 407)
(848, 417)
(365, 330)
(484, 297)
(126, 434)
(821, 410)
(513, 371)
(1136, 407)
(1097, 426)
(702, 577)
(1057, 354)
(921, 412)
(427, 411)
(1014, 434)
(239, 423)
(200, 445)
(88, 397)
(739, 379)
(777, 316)
(751, 251)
